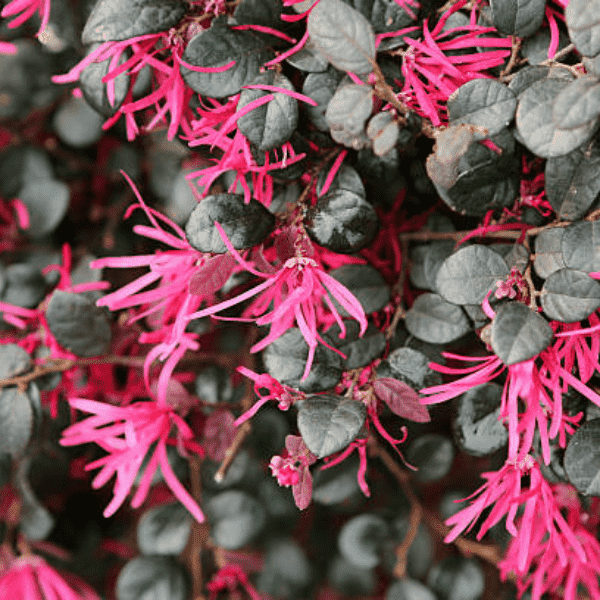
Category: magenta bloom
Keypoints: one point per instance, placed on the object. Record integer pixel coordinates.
(291, 469)
(298, 290)
(32, 578)
(27, 8)
(127, 434)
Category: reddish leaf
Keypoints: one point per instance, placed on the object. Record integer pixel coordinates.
(219, 432)
(401, 398)
(211, 277)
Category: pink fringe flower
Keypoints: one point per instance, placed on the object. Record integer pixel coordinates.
(550, 564)
(227, 579)
(291, 469)
(297, 290)
(27, 8)
(127, 434)
(32, 578)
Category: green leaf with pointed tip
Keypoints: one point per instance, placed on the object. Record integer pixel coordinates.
(466, 276)
(519, 334)
(329, 423)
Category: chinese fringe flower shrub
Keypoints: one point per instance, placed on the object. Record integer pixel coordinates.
(302, 283)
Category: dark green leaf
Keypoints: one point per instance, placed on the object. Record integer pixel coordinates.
(216, 47)
(548, 252)
(112, 20)
(25, 285)
(411, 366)
(581, 246)
(259, 12)
(286, 570)
(342, 35)
(342, 221)
(525, 77)
(271, 124)
(434, 320)
(409, 589)
(350, 580)
(13, 361)
(245, 224)
(468, 275)
(572, 181)
(337, 484)
(535, 125)
(518, 17)
(308, 59)
(164, 529)
(36, 521)
(367, 285)
(578, 103)
(329, 423)
(519, 334)
(583, 22)
(582, 458)
(570, 296)
(361, 540)
(477, 427)
(235, 517)
(152, 577)
(78, 324)
(359, 351)
(457, 578)
(484, 103)
(321, 87)
(347, 114)
(346, 179)
(285, 360)
(432, 454)
(47, 202)
(16, 421)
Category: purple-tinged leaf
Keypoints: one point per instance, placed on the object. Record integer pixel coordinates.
(212, 275)
(401, 399)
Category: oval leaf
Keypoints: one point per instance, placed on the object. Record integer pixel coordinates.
(578, 103)
(432, 454)
(581, 246)
(401, 399)
(548, 251)
(78, 324)
(245, 224)
(347, 114)
(212, 275)
(116, 21)
(217, 47)
(271, 124)
(366, 284)
(329, 423)
(47, 202)
(342, 221)
(151, 577)
(517, 17)
(582, 458)
(361, 540)
(572, 181)
(164, 529)
(342, 35)
(519, 334)
(13, 360)
(570, 296)
(535, 124)
(484, 103)
(16, 421)
(583, 22)
(436, 321)
(468, 275)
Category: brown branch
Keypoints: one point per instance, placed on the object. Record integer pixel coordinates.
(489, 553)
(231, 452)
(514, 60)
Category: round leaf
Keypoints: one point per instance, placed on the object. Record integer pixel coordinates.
(583, 22)
(432, 454)
(582, 458)
(436, 321)
(13, 360)
(329, 423)
(271, 124)
(285, 360)
(78, 324)
(578, 103)
(116, 21)
(342, 221)
(235, 517)
(572, 181)
(581, 246)
(164, 529)
(347, 114)
(409, 589)
(457, 578)
(361, 540)
(466, 276)
(216, 47)
(244, 224)
(320, 87)
(151, 577)
(548, 252)
(342, 35)
(47, 202)
(346, 179)
(359, 351)
(519, 334)
(16, 421)
(482, 102)
(535, 124)
(518, 17)
(570, 296)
